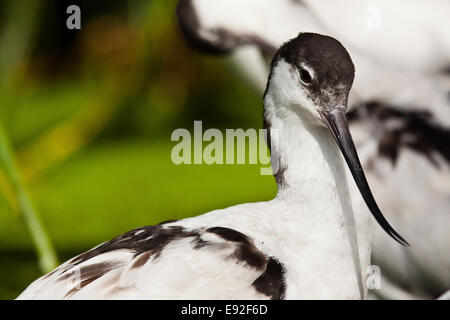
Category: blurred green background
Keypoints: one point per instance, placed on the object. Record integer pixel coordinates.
(88, 114)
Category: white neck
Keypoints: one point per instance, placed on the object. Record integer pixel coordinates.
(317, 183)
(306, 157)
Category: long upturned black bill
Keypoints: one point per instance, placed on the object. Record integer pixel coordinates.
(336, 121)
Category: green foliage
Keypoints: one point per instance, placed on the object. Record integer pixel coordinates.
(89, 115)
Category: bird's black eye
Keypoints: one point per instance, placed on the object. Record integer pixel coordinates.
(305, 76)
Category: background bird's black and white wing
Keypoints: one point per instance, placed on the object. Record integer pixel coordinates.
(166, 261)
(392, 67)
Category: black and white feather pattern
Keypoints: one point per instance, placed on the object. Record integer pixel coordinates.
(167, 261)
(312, 241)
(401, 121)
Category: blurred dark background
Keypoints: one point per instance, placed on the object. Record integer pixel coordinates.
(89, 114)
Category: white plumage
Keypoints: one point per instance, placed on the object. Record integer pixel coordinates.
(400, 49)
(399, 46)
(182, 272)
(313, 241)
